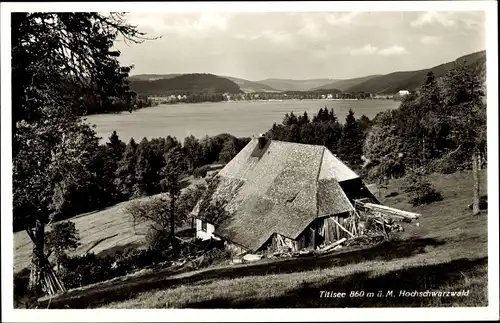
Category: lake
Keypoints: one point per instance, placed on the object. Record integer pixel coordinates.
(241, 118)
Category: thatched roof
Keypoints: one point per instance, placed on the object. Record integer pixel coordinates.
(283, 187)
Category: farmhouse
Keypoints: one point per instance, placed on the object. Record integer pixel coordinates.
(404, 92)
(283, 194)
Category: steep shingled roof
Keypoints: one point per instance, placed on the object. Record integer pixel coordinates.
(282, 188)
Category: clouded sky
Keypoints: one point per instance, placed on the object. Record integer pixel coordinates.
(337, 45)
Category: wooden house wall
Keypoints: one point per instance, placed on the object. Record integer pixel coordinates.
(323, 231)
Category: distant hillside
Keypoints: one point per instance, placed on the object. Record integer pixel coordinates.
(251, 87)
(296, 85)
(410, 80)
(151, 77)
(185, 83)
(342, 85)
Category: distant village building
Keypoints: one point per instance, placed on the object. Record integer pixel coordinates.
(284, 194)
(330, 96)
(404, 92)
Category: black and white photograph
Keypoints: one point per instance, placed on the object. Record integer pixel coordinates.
(260, 157)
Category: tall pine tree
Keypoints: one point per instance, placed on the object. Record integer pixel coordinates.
(351, 141)
(126, 178)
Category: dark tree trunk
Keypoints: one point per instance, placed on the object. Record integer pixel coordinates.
(475, 173)
(37, 259)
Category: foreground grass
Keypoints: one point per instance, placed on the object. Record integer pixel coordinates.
(446, 252)
(303, 289)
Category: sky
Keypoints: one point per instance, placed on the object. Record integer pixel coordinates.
(295, 45)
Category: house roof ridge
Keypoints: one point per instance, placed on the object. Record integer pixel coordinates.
(296, 143)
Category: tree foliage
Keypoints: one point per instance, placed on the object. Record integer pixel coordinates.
(324, 129)
(61, 238)
(61, 64)
(438, 128)
(213, 208)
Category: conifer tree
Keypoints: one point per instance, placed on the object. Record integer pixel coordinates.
(351, 141)
(125, 173)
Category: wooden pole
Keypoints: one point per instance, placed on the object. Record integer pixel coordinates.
(340, 226)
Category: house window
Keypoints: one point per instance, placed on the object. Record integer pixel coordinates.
(203, 225)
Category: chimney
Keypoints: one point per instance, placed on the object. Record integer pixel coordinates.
(262, 140)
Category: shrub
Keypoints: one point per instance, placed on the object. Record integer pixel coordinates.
(449, 164)
(157, 239)
(201, 172)
(63, 237)
(425, 194)
(420, 190)
(214, 256)
(23, 297)
(87, 269)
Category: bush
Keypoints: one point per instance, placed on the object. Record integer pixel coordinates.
(449, 164)
(425, 194)
(420, 190)
(214, 256)
(87, 269)
(157, 239)
(24, 298)
(63, 237)
(201, 172)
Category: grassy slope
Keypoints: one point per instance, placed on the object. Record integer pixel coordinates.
(99, 231)
(447, 251)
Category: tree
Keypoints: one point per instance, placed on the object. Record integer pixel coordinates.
(173, 171)
(364, 123)
(351, 141)
(464, 97)
(126, 178)
(212, 208)
(58, 61)
(229, 150)
(62, 238)
(147, 169)
(304, 119)
(193, 151)
(116, 147)
(189, 198)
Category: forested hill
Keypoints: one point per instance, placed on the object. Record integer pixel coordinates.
(185, 84)
(295, 85)
(342, 85)
(410, 80)
(251, 87)
(151, 77)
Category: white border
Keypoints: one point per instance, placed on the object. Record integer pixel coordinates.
(491, 312)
